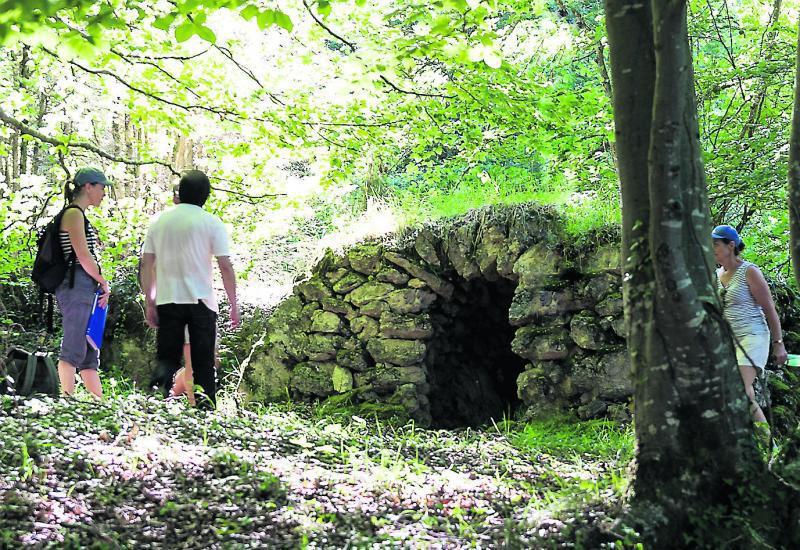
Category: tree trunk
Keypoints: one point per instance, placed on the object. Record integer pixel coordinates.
(15, 159)
(23, 156)
(794, 172)
(695, 447)
(183, 157)
(7, 170)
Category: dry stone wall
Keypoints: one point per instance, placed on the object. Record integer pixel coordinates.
(457, 323)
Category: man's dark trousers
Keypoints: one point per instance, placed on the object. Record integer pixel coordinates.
(202, 323)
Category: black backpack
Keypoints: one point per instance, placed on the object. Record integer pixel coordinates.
(50, 266)
(25, 373)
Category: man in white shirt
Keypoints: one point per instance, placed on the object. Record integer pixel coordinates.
(178, 284)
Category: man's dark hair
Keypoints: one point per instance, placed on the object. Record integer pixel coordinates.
(194, 188)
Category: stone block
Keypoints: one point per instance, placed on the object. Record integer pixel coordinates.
(537, 266)
(336, 275)
(313, 378)
(606, 259)
(410, 300)
(371, 291)
(491, 244)
(393, 325)
(313, 289)
(605, 376)
(437, 284)
(374, 309)
(459, 249)
(507, 257)
(268, 378)
(600, 286)
(391, 275)
(385, 376)
(335, 305)
(352, 359)
(348, 282)
(530, 387)
(396, 352)
(287, 328)
(365, 258)
(610, 306)
(321, 347)
(425, 245)
(529, 305)
(326, 321)
(536, 344)
(588, 332)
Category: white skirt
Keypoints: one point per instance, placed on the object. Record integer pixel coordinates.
(752, 350)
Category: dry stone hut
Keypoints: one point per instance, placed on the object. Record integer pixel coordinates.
(457, 323)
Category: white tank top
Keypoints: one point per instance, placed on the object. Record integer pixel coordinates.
(739, 307)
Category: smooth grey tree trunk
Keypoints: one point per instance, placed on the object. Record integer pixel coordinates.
(695, 447)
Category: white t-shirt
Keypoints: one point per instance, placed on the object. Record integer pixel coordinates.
(185, 239)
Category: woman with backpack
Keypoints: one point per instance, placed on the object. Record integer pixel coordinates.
(76, 293)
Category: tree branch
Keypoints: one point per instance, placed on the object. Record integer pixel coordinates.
(328, 29)
(352, 47)
(251, 198)
(24, 129)
(418, 94)
(144, 61)
(229, 55)
(228, 115)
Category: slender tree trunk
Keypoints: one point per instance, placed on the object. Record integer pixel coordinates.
(7, 168)
(794, 172)
(695, 447)
(15, 159)
(184, 154)
(23, 156)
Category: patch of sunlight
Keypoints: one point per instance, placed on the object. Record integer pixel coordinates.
(378, 220)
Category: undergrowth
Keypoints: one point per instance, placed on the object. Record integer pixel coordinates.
(293, 475)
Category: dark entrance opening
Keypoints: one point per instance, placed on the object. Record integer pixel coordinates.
(471, 369)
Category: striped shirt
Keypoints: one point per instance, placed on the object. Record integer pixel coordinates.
(739, 307)
(91, 240)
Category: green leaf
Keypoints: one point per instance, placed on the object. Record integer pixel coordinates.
(324, 7)
(187, 6)
(265, 19)
(441, 25)
(248, 12)
(283, 21)
(205, 33)
(164, 22)
(185, 31)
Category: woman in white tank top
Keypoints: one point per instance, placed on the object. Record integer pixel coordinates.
(748, 307)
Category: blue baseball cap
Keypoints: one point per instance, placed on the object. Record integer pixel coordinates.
(726, 232)
(89, 174)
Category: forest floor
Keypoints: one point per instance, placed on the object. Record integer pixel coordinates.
(136, 471)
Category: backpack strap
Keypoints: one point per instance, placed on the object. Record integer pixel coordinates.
(73, 256)
(52, 375)
(30, 373)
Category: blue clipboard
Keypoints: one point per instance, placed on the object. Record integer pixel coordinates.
(97, 324)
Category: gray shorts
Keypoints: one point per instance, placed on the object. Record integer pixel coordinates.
(76, 306)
